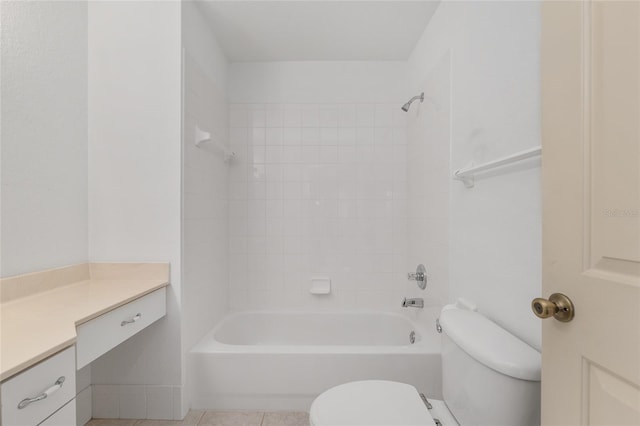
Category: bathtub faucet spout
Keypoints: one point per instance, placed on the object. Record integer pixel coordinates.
(413, 303)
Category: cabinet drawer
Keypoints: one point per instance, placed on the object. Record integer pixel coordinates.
(34, 382)
(66, 416)
(107, 331)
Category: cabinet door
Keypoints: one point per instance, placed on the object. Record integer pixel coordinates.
(26, 390)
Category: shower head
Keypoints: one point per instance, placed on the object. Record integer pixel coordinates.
(406, 106)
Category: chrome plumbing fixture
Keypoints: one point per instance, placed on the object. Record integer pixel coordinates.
(406, 106)
(420, 276)
(413, 303)
(426, 402)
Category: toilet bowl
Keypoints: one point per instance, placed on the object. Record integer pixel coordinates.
(489, 377)
(377, 403)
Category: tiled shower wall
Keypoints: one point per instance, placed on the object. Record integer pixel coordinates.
(204, 210)
(317, 190)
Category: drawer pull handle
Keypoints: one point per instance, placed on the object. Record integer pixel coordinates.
(131, 321)
(56, 386)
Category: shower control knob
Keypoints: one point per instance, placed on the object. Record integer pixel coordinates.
(558, 306)
(420, 276)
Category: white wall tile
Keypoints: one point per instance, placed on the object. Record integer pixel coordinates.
(257, 116)
(273, 116)
(274, 189)
(180, 403)
(291, 154)
(291, 117)
(365, 115)
(273, 154)
(383, 115)
(292, 135)
(399, 117)
(347, 115)
(274, 136)
(273, 172)
(310, 116)
(206, 243)
(328, 116)
(311, 136)
(105, 401)
(365, 136)
(159, 402)
(329, 135)
(132, 401)
(347, 136)
(257, 136)
(294, 226)
(309, 154)
(327, 201)
(238, 135)
(382, 136)
(83, 406)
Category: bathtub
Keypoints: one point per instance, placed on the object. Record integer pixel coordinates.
(282, 361)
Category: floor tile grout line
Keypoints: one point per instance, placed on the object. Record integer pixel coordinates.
(199, 418)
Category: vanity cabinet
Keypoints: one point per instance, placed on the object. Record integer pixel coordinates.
(107, 331)
(35, 394)
(44, 394)
(66, 416)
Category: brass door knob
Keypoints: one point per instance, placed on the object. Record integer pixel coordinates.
(558, 306)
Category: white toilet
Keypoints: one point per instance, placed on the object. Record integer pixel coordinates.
(489, 378)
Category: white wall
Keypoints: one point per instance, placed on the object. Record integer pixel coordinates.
(319, 186)
(205, 181)
(495, 240)
(201, 43)
(428, 146)
(134, 176)
(44, 135)
(317, 82)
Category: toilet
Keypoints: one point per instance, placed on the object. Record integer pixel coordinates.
(489, 378)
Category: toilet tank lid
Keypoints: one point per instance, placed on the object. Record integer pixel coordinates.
(490, 344)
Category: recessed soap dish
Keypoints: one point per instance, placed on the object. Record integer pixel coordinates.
(320, 286)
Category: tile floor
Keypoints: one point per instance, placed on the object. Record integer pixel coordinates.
(218, 418)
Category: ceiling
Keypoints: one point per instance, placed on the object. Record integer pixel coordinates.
(307, 30)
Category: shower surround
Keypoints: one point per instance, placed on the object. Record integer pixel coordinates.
(317, 190)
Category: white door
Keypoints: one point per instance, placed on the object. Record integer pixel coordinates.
(591, 211)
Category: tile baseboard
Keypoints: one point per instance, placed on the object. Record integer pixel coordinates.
(157, 402)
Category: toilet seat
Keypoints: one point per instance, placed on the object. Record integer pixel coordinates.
(371, 403)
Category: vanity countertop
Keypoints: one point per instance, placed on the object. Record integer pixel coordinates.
(37, 325)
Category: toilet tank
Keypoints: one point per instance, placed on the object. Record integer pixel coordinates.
(489, 376)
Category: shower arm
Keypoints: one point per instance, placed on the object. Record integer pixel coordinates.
(407, 105)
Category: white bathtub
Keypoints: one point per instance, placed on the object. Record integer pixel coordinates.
(282, 361)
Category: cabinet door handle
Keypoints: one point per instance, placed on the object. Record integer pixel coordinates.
(53, 389)
(132, 320)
